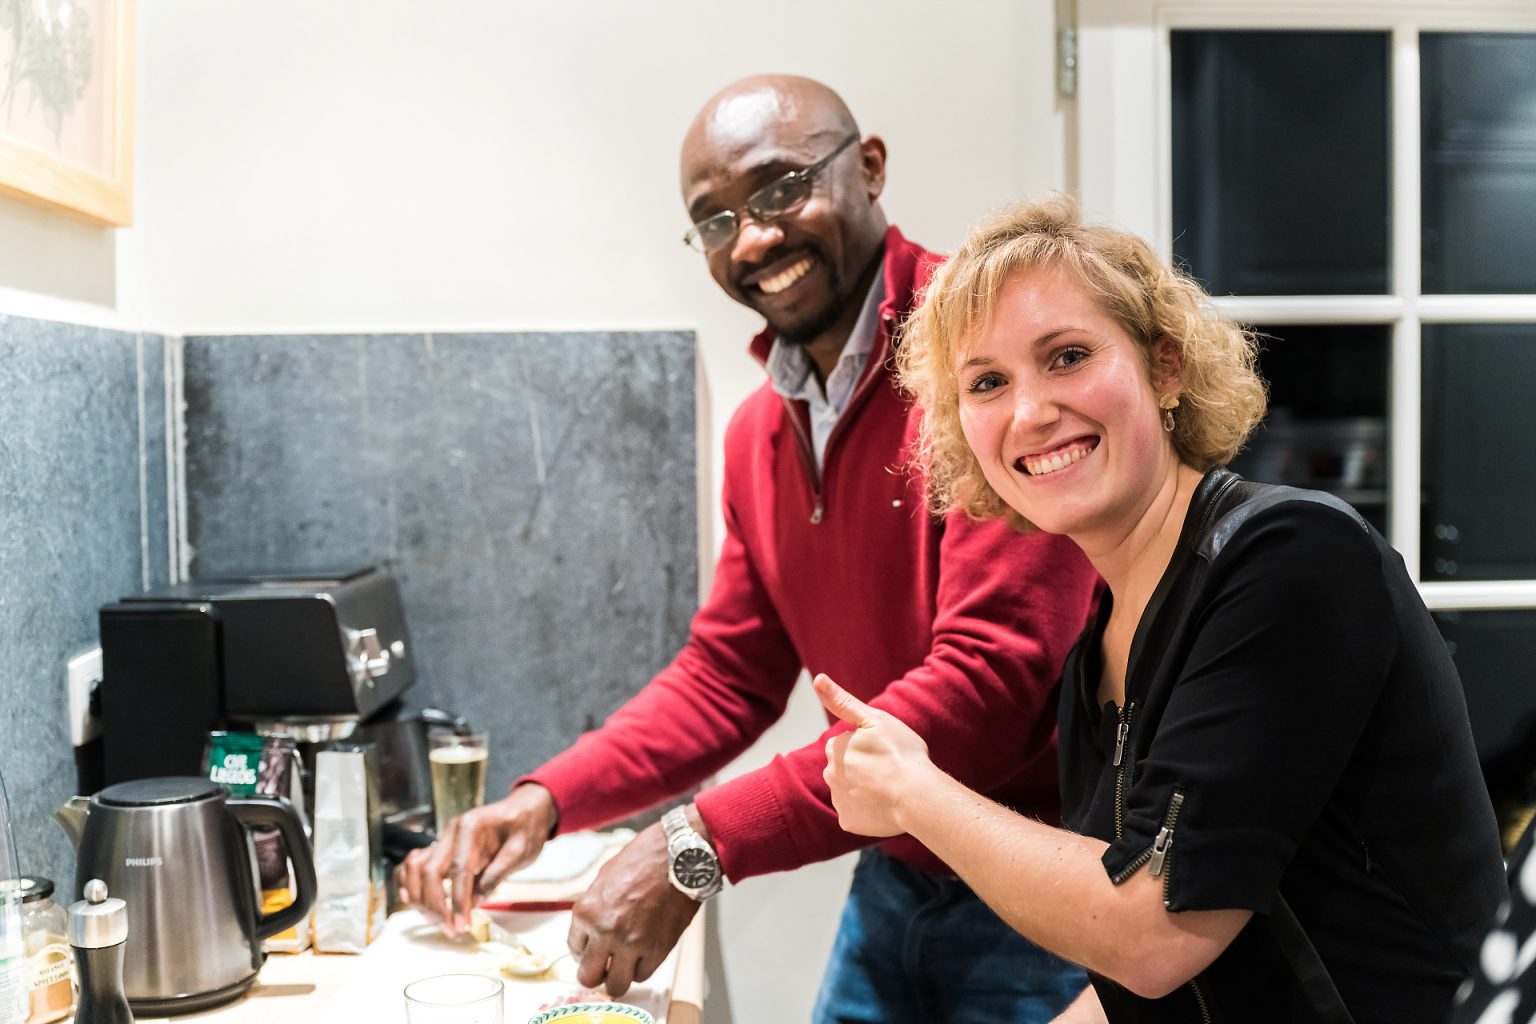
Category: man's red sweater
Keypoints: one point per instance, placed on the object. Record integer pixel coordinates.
(957, 628)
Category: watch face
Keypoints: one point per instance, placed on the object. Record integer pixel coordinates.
(694, 868)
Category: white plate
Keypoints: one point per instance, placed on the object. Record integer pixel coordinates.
(570, 856)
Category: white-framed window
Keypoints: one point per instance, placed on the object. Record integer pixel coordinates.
(1357, 179)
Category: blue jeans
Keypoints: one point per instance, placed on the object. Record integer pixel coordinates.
(915, 948)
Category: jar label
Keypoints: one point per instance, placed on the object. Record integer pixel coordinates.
(50, 965)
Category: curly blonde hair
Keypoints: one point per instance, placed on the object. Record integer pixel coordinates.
(1221, 395)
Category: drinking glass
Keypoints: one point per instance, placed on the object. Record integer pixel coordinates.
(458, 763)
(454, 999)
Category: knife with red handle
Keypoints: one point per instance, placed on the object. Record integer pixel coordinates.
(528, 906)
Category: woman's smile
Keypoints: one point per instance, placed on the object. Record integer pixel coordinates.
(1056, 459)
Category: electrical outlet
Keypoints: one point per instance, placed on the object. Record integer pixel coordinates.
(82, 675)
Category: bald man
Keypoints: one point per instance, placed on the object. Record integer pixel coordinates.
(830, 563)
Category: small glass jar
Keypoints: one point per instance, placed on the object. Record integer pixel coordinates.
(50, 961)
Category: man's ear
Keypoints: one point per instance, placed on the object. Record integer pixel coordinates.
(1167, 365)
(872, 155)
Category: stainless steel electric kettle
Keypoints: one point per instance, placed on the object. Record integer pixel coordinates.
(178, 853)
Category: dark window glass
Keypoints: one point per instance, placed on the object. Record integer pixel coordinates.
(1494, 653)
(1478, 137)
(1280, 161)
(1479, 457)
(1327, 422)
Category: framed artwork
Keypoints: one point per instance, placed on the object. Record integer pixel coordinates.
(66, 105)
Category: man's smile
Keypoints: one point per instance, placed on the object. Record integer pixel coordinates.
(784, 278)
(780, 274)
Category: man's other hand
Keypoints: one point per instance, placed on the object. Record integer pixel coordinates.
(624, 926)
(475, 852)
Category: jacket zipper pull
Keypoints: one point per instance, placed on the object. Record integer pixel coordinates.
(1160, 847)
(1121, 732)
(816, 512)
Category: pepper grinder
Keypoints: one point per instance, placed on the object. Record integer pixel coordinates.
(98, 929)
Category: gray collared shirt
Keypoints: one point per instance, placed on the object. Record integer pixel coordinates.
(792, 375)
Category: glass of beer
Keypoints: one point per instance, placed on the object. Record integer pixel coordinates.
(458, 763)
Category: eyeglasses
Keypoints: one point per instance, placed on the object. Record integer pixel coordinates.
(778, 198)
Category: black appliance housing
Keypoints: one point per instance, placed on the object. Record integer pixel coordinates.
(226, 654)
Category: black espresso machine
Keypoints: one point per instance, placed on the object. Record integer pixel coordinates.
(317, 657)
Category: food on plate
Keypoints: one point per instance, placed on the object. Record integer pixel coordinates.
(513, 957)
(515, 960)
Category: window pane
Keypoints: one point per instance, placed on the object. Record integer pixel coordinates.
(1479, 461)
(1494, 652)
(1479, 162)
(1327, 422)
(1280, 161)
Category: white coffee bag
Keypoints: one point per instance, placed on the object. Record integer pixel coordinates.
(349, 863)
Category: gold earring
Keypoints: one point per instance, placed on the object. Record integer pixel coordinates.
(1168, 403)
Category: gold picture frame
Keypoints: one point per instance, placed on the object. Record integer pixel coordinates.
(66, 105)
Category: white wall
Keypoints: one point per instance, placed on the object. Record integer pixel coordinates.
(491, 163)
(56, 266)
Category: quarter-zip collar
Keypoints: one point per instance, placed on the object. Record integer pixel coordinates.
(905, 268)
(792, 372)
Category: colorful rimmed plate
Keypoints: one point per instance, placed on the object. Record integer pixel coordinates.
(594, 1013)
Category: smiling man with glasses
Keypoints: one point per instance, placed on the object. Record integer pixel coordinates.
(830, 563)
(790, 224)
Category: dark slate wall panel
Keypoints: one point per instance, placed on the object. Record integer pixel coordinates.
(156, 453)
(72, 537)
(535, 494)
(280, 469)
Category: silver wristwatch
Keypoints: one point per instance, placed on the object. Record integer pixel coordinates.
(692, 866)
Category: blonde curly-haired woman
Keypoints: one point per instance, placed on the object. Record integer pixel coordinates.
(1272, 804)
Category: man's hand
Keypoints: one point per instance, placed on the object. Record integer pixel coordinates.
(873, 767)
(475, 852)
(624, 926)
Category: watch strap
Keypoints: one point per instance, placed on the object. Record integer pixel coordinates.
(674, 823)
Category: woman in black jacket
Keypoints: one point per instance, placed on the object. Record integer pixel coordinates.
(1272, 807)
